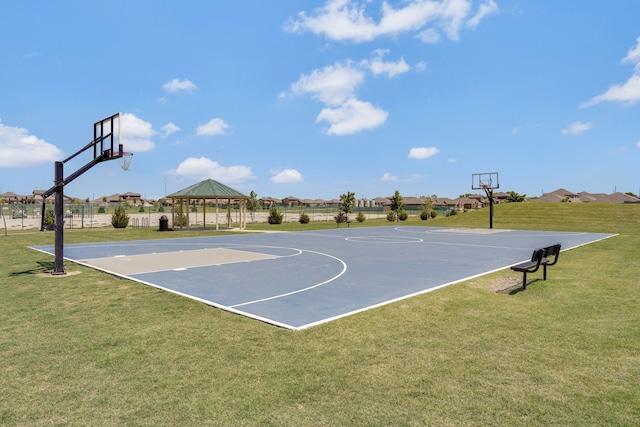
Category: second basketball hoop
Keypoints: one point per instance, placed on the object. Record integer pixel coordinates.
(487, 182)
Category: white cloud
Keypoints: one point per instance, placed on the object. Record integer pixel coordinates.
(388, 177)
(18, 149)
(214, 127)
(331, 85)
(633, 56)
(338, 20)
(351, 117)
(177, 85)
(451, 15)
(422, 152)
(576, 128)
(378, 66)
(348, 20)
(204, 168)
(628, 92)
(168, 129)
(429, 36)
(335, 86)
(638, 144)
(485, 9)
(136, 134)
(287, 176)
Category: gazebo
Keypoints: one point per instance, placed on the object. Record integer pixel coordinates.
(208, 190)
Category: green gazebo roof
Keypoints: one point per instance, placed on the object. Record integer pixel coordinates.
(208, 189)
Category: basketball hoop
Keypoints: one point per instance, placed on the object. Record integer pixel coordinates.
(125, 160)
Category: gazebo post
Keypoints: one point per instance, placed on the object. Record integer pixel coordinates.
(217, 224)
(204, 213)
(243, 213)
(173, 211)
(229, 212)
(187, 209)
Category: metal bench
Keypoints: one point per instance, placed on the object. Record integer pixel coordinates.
(544, 257)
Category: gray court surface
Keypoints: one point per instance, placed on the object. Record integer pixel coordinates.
(298, 280)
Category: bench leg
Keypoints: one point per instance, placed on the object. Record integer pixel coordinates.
(524, 280)
(544, 272)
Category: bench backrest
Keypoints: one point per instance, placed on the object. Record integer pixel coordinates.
(537, 256)
(552, 251)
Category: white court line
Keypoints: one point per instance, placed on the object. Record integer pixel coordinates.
(511, 233)
(383, 239)
(344, 269)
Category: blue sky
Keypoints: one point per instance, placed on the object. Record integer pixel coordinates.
(317, 98)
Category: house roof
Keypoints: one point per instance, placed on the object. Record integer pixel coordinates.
(208, 188)
(270, 200)
(9, 195)
(585, 197)
(443, 201)
(412, 201)
(620, 198)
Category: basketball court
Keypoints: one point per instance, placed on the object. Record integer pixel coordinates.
(301, 279)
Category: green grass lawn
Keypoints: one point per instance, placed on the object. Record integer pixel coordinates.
(93, 349)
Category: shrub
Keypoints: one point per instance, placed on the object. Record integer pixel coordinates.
(391, 216)
(360, 217)
(161, 209)
(49, 217)
(304, 218)
(402, 216)
(341, 217)
(141, 209)
(119, 219)
(424, 215)
(275, 217)
(433, 214)
(101, 210)
(180, 219)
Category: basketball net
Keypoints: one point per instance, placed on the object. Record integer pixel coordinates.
(125, 161)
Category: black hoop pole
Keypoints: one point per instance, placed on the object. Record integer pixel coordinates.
(490, 197)
(59, 210)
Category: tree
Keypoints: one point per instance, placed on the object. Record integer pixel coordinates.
(426, 208)
(346, 203)
(253, 204)
(119, 219)
(397, 204)
(275, 217)
(514, 197)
